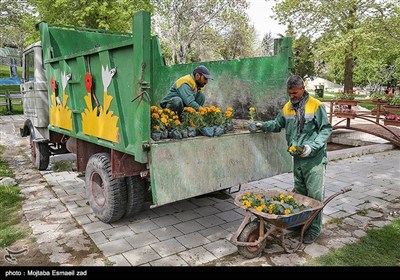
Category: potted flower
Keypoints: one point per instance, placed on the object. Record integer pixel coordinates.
(252, 123)
(191, 120)
(174, 128)
(229, 119)
(391, 119)
(346, 112)
(156, 124)
(212, 121)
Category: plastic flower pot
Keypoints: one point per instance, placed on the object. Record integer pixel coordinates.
(207, 131)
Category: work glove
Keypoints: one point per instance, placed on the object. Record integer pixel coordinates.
(253, 126)
(306, 151)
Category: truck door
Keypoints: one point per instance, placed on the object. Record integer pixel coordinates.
(34, 89)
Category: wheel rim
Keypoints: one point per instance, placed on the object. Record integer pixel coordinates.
(253, 236)
(97, 189)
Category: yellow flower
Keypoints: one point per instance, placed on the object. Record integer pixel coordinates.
(252, 113)
(292, 149)
(271, 205)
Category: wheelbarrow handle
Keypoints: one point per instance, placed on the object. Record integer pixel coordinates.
(342, 191)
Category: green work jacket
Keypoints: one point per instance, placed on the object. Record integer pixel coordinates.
(317, 127)
(185, 88)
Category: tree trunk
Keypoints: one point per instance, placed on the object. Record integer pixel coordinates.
(348, 68)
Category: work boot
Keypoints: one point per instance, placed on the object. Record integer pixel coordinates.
(310, 237)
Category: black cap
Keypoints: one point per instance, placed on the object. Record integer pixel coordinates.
(203, 71)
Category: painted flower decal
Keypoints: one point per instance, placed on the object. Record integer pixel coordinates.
(53, 84)
(88, 82)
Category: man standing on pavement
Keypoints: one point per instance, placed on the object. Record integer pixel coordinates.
(187, 91)
(307, 131)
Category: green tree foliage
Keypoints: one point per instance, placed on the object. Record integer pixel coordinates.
(103, 14)
(13, 16)
(203, 30)
(303, 57)
(341, 24)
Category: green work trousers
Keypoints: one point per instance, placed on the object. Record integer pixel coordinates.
(176, 103)
(309, 176)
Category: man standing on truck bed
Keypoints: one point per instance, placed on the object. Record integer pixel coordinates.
(187, 91)
(307, 131)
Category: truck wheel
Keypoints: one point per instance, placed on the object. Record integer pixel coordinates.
(136, 189)
(250, 233)
(106, 195)
(40, 154)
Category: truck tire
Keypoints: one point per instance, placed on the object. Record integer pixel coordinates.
(136, 190)
(251, 233)
(106, 195)
(40, 154)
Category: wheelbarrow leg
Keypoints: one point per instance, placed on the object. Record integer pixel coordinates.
(245, 221)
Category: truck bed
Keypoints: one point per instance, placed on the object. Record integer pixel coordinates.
(193, 166)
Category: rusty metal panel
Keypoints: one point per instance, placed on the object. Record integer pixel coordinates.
(200, 165)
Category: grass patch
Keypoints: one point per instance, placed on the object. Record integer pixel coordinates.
(378, 248)
(10, 207)
(334, 221)
(4, 88)
(362, 212)
(367, 106)
(16, 110)
(5, 171)
(5, 71)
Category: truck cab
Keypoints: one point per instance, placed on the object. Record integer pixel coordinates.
(36, 108)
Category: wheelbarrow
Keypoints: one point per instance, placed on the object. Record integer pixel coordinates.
(251, 236)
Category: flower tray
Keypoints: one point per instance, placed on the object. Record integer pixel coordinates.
(345, 115)
(393, 109)
(391, 122)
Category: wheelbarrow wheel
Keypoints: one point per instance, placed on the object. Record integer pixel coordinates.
(250, 233)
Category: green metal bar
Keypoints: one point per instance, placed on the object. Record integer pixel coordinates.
(141, 86)
(93, 51)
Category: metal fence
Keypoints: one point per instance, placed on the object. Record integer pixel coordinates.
(9, 99)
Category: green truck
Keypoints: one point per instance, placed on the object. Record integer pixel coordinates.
(89, 92)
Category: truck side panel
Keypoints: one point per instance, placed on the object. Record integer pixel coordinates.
(195, 166)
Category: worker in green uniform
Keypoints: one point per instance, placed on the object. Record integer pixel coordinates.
(307, 129)
(187, 91)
